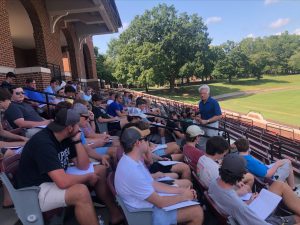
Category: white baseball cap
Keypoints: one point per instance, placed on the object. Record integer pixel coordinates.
(194, 131)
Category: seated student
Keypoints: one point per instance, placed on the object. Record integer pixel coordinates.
(182, 169)
(281, 170)
(208, 168)
(31, 93)
(98, 147)
(171, 134)
(21, 114)
(111, 97)
(51, 89)
(70, 92)
(5, 101)
(101, 116)
(222, 192)
(44, 160)
(136, 187)
(116, 108)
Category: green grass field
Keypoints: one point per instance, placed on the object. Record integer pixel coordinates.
(277, 98)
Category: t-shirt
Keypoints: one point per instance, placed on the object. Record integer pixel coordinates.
(100, 112)
(255, 167)
(169, 133)
(41, 155)
(51, 91)
(209, 109)
(17, 110)
(229, 203)
(113, 108)
(5, 84)
(207, 170)
(133, 183)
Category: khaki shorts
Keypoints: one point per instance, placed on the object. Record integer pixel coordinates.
(51, 197)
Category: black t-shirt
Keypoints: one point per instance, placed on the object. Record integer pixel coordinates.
(100, 112)
(21, 110)
(43, 154)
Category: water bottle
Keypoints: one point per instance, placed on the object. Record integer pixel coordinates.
(100, 220)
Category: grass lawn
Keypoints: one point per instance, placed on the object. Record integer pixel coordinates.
(282, 106)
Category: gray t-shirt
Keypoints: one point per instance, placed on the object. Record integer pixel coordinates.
(230, 204)
(17, 110)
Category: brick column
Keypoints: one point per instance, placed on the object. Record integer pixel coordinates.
(7, 57)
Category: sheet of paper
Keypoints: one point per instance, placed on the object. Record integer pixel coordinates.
(168, 163)
(75, 171)
(161, 146)
(180, 205)
(41, 105)
(13, 147)
(246, 197)
(42, 126)
(164, 178)
(264, 204)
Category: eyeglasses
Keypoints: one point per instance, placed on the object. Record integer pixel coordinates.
(20, 93)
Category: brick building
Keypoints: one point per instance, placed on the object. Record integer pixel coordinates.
(46, 38)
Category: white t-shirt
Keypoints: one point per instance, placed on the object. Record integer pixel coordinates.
(207, 170)
(133, 183)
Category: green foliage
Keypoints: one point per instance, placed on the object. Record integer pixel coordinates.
(158, 44)
(103, 68)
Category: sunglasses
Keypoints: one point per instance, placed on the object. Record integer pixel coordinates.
(143, 139)
(86, 117)
(20, 93)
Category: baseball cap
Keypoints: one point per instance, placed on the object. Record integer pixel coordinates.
(132, 134)
(234, 164)
(133, 111)
(96, 97)
(64, 118)
(81, 109)
(194, 131)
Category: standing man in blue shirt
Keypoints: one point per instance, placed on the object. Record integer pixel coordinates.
(210, 113)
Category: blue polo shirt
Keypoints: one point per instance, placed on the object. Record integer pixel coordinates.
(209, 109)
(113, 107)
(31, 94)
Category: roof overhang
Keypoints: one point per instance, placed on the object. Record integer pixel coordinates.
(88, 17)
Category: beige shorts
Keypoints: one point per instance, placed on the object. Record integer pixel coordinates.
(51, 197)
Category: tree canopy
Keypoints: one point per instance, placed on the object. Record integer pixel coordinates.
(158, 45)
(161, 46)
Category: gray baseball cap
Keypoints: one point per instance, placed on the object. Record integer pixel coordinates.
(133, 134)
(234, 164)
(64, 118)
(81, 109)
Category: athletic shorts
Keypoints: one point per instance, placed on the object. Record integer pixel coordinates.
(282, 172)
(162, 217)
(51, 197)
(157, 167)
(102, 150)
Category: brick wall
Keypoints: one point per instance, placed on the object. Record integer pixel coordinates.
(42, 79)
(6, 50)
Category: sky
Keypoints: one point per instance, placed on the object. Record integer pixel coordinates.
(225, 19)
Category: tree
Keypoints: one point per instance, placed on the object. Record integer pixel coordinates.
(175, 40)
(103, 68)
(294, 62)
